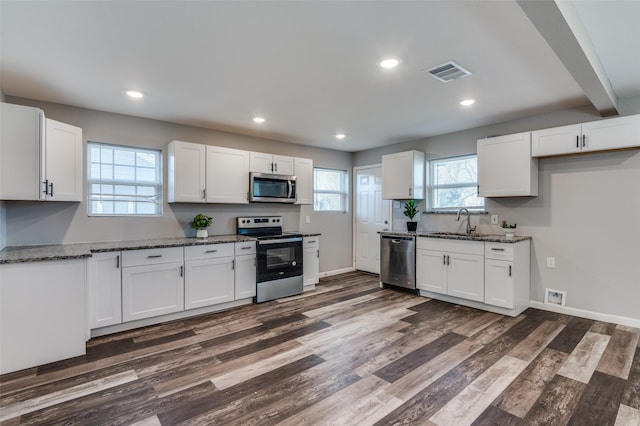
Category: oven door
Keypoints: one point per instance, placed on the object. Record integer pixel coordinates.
(279, 258)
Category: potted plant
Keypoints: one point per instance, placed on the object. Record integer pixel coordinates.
(410, 210)
(509, 230)
(200, 223)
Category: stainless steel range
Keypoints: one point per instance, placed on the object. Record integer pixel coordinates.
(279, 257)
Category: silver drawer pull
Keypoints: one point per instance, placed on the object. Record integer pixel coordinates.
(246, 248)
(311, 242)
(497, 249)
(154, 256)
(211, 251)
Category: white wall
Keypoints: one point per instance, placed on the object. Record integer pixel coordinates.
(585, 216)
(32, 223)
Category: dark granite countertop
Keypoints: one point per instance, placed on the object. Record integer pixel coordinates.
(455, 236)
(83, 250)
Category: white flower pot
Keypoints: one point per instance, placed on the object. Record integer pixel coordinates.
(202, 233)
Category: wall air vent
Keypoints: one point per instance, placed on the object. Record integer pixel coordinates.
(447, 72)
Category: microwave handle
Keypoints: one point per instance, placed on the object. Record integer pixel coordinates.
(290, 184)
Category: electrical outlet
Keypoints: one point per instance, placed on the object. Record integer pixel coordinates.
(551, 262)
(494, 219)
(307, 219)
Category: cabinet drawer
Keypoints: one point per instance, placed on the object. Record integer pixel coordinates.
(208, 251)
(152, 256)
(311, 242)
(451, 246)
(498, 251)
(245, 247)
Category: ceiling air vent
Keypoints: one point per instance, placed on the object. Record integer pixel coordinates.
(447, 72)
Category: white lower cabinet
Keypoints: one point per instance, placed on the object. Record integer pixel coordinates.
(42, 313)
(311, 260)
(104, 287)
(485, 275)
(209, 275)
(152, 282)
(452, 267)
(245, 270)
(506, 275)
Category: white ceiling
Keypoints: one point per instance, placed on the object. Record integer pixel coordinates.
(308, 67)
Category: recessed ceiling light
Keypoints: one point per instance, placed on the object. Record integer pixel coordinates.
(389, 63)
(135, 94)
(468, 102)
(258, 119)
(341, 136)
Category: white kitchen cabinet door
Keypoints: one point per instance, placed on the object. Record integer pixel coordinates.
(187, 172)
(208, 282)
(506, 168)
(283, 165)
(104, 285)
(303, 170)
(466, 276)
(42, 313)
(556, 141)
(227, 175)
(152, 290)
(311, 260)
(245, 276)
(261, 162)
(431, 271)
(612, 133)
(62, 168)
(498, 283)
(403, 175)
(20, 133)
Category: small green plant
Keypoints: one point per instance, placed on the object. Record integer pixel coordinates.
(505, 225)
(201, 221)
(411, 209)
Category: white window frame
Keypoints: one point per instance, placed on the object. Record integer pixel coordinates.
(431, 187)
(343, 192)
(157, 184)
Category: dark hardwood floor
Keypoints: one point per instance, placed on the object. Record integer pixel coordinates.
(348, 353)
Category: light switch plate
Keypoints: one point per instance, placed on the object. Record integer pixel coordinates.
(307, 219)
(551, 262)
(494, 219)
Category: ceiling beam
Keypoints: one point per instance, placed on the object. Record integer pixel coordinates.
(558, 23)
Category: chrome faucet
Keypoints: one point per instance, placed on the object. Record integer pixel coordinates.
(469, 228)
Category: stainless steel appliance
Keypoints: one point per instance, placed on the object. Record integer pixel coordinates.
(279, 257)
(268, 188)
(398, 261)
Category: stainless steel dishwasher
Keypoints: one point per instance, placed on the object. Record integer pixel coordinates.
(398, 261)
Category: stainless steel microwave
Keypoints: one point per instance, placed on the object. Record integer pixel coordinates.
(268, 188)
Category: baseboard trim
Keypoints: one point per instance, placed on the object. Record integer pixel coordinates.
(598, 316)
(337, 272)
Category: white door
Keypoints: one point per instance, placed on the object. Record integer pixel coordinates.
(372, 216)
(63, 162)
(227, 175)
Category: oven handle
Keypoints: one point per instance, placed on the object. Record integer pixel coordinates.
(280, 240)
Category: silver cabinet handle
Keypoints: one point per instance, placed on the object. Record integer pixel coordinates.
(311, 242)
(496, 249)
(409, 192)
(318, 254)
(182, 271)
(233, 264)
(448, 260)
(51, 189)
(584, 140)
(46, 187)
(578, 141)
(153, 256)
(211, 251)
(509, 270)
(444, 259)
(204, 194)
(118, 262)
(246, 248)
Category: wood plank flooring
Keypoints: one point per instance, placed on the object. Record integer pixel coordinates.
(348, 353)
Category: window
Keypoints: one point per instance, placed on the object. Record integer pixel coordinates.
(329, 190)
(124, 181)
(454, 183)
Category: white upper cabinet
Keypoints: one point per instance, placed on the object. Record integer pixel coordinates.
(62, 168)
(227, 175)
(21, 128)
(506, 168)
(40, 159)
(303, 170)
(268, 163)
(403, 175)
(601, 135)
(187, 172)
